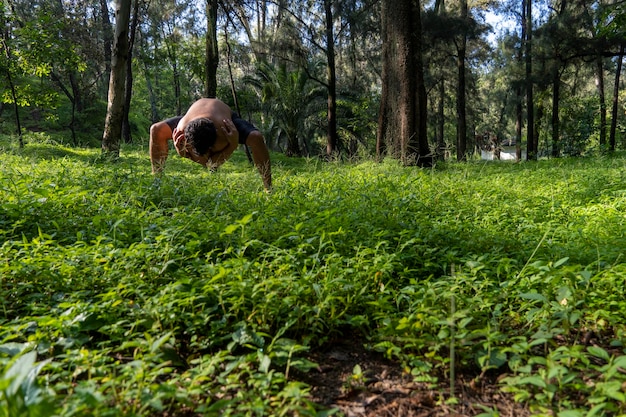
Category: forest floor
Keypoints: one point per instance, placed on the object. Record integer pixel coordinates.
(387, 391)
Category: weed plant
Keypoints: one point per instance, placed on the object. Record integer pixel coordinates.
(198, 293)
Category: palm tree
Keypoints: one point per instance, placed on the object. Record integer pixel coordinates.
(289, 97)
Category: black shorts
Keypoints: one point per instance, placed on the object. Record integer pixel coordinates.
(243, 126)
(172, 122)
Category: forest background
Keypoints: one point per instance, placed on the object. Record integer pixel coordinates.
(364, 287)
(309, 74)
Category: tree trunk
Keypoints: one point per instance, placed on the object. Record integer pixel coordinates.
(115, 109)
(233, 90)
(293, 143)
(519, 120)
(16, 107)
(402, 120)
(441, 121)
(126, 133)
(381, 130)
(461, 110)
(556, 121)
(538, 119)
(212, 51)
(519, 107)
(602, 97)
(531, 151)
(618, 73)
(70, 96)
(154, 110)
(418, 143)
(9, 77)
(332, 137)
(107, 32)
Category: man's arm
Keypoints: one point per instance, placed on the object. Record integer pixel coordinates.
(261, 157)
(160, 133)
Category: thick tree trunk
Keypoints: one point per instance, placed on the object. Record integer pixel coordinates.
(402, 118)
(418, 143)
(332, 137)
(115, 110)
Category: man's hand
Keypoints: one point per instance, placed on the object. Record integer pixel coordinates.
(230, 130)
(186, 149)
(180, 143)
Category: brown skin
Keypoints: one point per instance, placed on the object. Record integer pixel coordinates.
(225, 144)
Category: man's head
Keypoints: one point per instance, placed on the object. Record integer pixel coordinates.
(201, 134)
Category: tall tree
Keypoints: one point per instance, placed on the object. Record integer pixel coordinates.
(402, 116)
(8, 67)
(461, 108)
(614, 113)
(440, 9)
(128, 90)
(107, 34)
(614, 28)
(212, 51)
(602, 98)
(531, 149)
(115, 109)
(519, 96)
(332, 138)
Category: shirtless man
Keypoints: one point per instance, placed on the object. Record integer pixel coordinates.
(208, 134)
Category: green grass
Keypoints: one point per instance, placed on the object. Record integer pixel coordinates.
(122, 294)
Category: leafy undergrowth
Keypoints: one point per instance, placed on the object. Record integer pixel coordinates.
(199, 294)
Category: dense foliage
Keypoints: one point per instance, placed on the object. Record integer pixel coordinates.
(56, 61)
(124, 294)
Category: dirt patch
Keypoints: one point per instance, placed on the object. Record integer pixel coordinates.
(383, 389)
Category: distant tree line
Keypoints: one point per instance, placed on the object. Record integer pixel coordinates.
(340, 78)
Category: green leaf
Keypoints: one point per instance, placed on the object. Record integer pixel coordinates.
(156, 345)
(534, 296)
(230, 229)
(265, 362)
(19, 370)
(560, 262)
(535, 380)
(599, 352)
(571, 413)
(620, 362)
(13, 348)
(246, 219)
(596, 409)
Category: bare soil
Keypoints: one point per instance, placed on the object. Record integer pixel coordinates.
(385, 390)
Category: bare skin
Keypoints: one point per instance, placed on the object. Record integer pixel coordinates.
(225, 144)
